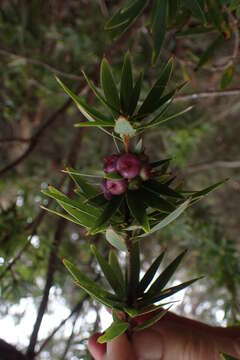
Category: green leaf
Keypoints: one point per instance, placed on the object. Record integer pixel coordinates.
(109, 274)
(134, 272)
(150, 322)
(195, 7)
(155, 202)
(64, 216)
(109, 87)
(159, 28)
(157, 90)
(135, 95)
(111, 207)
(123, 127)
(116, 329)
(126, 86)
(227, 357)
(215, 13)
(116, 268)
(169, 218)
(203, 192)
(94, 124)
(160, 162)
(234, 4)
(159, 120)
(150, 273)
(99, 95)
(113, 176)
(226, 78)
(209, 52)
(161, 189)
(165, 276)
(115, 239)
(92, 288)
(167, 293)
(138, 209)
(87, 189)
(125, 17)
(90, 113)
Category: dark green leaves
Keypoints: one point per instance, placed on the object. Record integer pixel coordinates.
(150, 273)
(121, 21)
(195, 7)
(111, 207)
(116, 329)
(92, 288)
(110, 275)
(109, 87)
(151, 102)
(227, 357)
(138, 209)
(115, 239)
(126, 86)
(166, 275)
(150, 322)
(159, 18)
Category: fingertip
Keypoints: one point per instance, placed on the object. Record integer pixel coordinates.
(120, 349)
(97, 350)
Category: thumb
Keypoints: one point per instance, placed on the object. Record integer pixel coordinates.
(120, 349)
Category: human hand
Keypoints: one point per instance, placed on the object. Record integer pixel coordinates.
(172, 338)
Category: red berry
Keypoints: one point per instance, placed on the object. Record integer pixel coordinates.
(128, 165)
(105, 190)
(110, 164)
(116, 187)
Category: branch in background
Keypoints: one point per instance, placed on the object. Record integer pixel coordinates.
(69, 340)
(53, 256)
(207, 94)
(213, 164)
(6, 140)
(41, 64)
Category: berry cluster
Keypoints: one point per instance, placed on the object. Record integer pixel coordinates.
(132, 168)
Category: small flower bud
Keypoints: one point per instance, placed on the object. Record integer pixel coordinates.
(145, 172)
(116, 187)
(128, 165)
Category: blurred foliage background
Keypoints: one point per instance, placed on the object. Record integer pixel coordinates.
(40, 39)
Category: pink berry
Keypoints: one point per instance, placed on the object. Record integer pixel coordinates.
(117, 187)
(110, 164)
(128, 165)
(105, 190)
(145, 172)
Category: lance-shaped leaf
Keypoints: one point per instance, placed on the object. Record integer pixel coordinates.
(155, 202)
(134, 272)
(159, 120)
(64, 216)
(195, 7)
(150, 322)
(109, 86)
(166, 293)
(161, 189)
(160, 162)
(116, 268)
(157, 90)
(126, 86)
(121, 21)
(111, 207)
(135, 95)
(165, 276)
(169, 218)
(150, 273)
(138, 209)
(115, 239)
(158, 27)
(109, 274)
(92, 288)
(116, 329)
(227, 77)
(86, 188)
(98, 124)
(198, 194)
(89, 112)
(99, 95)
(227, 357)
(113, 176)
